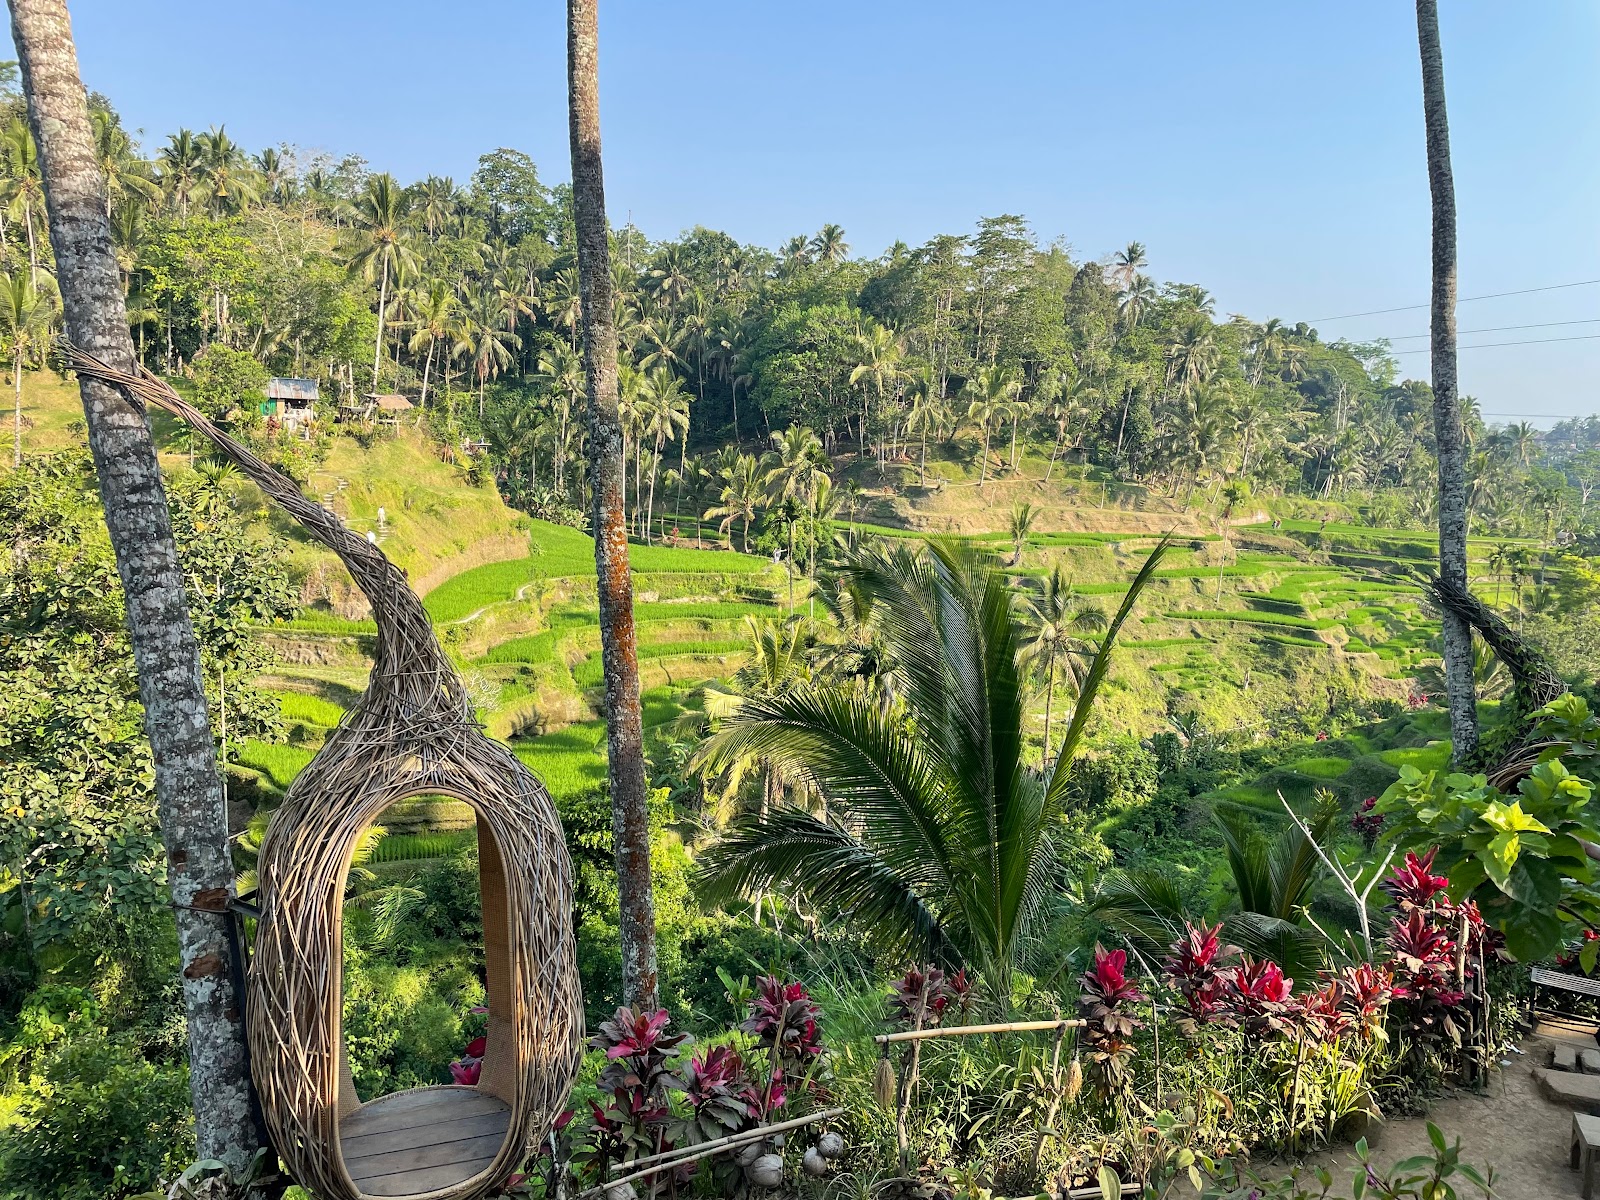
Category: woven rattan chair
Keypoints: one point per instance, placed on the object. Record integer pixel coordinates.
(411, 734)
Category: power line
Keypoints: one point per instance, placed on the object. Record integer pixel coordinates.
(1582, 337)
(1412, 337)
(1554, 287)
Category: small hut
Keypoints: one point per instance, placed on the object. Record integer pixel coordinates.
(387, 406)
(290, 401)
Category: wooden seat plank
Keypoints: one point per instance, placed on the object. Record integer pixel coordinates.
(430, 1179)
(470, 1154)
(420, 1106)
(480, 1125)
(420, 1141)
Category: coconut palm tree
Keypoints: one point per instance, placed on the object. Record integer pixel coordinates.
(1023, 516)
(664, 406)
(793, 468)
(380, 247)
(1056, 622)
(224, 170)
(1127, 262)
(829, 245)
(990, 393)
(624, 723)
(179, 170)
(879, 362)
(127, 176)
(22, 191)
(25, 317)
(939, 840)
(491, 344)
(743, 491)
(1447, 422)
(435, 316)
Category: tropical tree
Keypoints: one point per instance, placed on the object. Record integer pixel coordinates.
(880, 363)
(630, 818)
(1056, 623)
(793, 468)
(1447, 424)
(743, 490)
(664, 406)
(1127, 263)
(939, 840)
(127, 176)
(990, 393)
(25, 324)
(829, 245)
(188, 786)
(225, 171)
(380, 246)
(491, 345)
(434, 318)
(22, 191)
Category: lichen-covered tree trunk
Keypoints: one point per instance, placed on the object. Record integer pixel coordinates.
(1459, 687)
(188, 787)
(618, 643)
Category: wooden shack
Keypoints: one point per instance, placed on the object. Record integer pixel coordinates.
(290, 401)
(387, 406)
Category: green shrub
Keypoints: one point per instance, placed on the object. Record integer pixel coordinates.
(96, 1122)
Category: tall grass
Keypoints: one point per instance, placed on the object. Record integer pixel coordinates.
(312, 710)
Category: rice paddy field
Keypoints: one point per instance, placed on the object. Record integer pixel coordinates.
(1230, 628)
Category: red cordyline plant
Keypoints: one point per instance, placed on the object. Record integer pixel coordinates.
(785, 1022)
(1197, 968)
(635, 1117)
(1367, 990)
(1423, 958)
(924, 994)
(1106, 1002)
(1414, 885)
(1366, 823)
(1259, 998)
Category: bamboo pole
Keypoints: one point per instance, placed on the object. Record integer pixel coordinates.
(671, 1159)
(917, 1035)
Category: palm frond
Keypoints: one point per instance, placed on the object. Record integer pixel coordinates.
(843, 877)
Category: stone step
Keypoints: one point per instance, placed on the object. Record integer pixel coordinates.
(1564, 1057)
(1578, 1092)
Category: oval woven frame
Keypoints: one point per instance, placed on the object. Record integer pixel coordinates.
(412, 733)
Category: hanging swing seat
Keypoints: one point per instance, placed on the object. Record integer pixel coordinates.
(412, 734)
(422, 1140)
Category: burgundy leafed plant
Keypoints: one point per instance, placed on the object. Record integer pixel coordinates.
(1196, 967)
(1106, 1002)
(1259, 997)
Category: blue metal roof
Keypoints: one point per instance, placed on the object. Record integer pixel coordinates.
(292, 389)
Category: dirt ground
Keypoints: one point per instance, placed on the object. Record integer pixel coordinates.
(1511, 1127)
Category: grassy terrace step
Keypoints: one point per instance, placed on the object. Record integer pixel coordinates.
(1247, 617)
(569, 553)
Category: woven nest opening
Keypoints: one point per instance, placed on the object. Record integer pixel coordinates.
(452, 832)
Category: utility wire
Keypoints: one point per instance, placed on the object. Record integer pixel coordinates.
(1582, 337)
(1554, 287)
(1412, 337)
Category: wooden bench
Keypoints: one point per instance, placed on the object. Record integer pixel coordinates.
(1585, 1144)
(422, 1140)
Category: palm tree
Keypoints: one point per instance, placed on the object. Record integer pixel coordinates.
(24, 323)
(436, 202)
(829, 245)
(742, 493)
(180, 169)
(1447, 424)
(225, 171)
(435, 316)
(188, 790)
(991, 391)
(23, 193)
(1056, 620)
(1137, 300)
(793, 468)
(563, 371)
(630, 816)
(127, 176)
(276, 176)
(879, 356)
(1023, 516)
(665, 408)
(927, 412)
(380, 246)
(939, 840)
(1127, 263)
(490, 343)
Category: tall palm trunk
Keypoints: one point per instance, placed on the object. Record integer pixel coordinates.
(16, 460)
(188, 786)
(1446, 402)
(983, 467)
(427, 368)
(630, 822)
(650, 505)
(377, 342)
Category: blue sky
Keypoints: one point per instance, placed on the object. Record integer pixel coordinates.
(1271, 152)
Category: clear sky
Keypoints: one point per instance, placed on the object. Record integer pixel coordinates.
(1272, 152)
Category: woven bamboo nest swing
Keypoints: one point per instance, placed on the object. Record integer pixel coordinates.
(411, 734)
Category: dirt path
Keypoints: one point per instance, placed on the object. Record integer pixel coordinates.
(1511, 1127)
